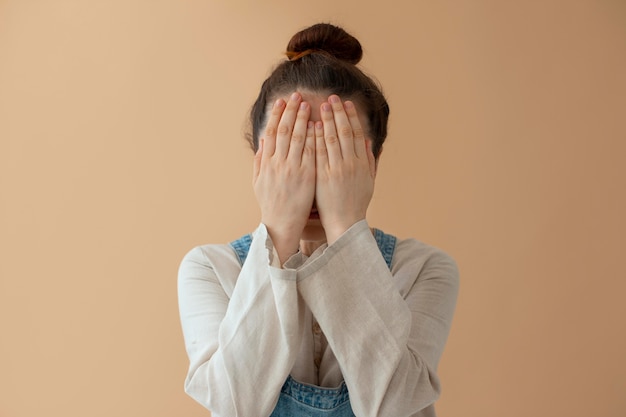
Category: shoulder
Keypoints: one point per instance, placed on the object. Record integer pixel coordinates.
(419, 253)
(221, 262)
(416, 261)
(210, 263)
(208, 255)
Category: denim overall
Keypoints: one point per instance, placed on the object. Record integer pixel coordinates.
(303, 400)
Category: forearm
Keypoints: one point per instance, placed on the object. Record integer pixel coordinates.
(258, 345)
(254, 338)
(368, 326)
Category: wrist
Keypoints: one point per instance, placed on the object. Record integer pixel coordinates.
(286, 241)
(335, 230)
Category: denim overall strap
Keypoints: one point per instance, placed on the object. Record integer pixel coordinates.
(386, 244)
(303, 400)
(241, 247)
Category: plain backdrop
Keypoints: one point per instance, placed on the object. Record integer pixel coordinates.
(121, 148)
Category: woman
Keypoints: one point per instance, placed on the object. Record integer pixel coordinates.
(304, 317)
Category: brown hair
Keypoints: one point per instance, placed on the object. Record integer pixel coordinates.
(323, 58)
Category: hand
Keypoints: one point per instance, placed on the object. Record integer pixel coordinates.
(345, 167)
(284, 173)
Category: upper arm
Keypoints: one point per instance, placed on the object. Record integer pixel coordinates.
(202, 302)
(432, 301)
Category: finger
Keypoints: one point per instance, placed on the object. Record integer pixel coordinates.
(298, 137)
(331, 140)
(256, 166)
(321, 155)
(371, 159)
(285, 126)
(269, 135)
(343, 127)
(360, 147)
(308, 153)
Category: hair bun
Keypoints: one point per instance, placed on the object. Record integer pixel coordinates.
(328, 38)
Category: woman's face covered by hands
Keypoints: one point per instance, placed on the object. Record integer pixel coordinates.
(314, 170)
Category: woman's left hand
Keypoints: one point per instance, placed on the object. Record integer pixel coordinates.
(345, 168)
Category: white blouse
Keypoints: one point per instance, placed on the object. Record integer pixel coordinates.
(338, 315)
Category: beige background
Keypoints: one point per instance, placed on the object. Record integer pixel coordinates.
(121, 148)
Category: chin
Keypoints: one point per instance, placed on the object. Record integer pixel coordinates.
(313, 230)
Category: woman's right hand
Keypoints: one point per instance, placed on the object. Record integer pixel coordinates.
(284, 173)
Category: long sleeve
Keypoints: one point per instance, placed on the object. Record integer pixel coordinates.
(386, 331)
(241, 337)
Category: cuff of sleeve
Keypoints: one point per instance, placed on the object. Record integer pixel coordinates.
(358, 231)
(294, 260)
(261, 235)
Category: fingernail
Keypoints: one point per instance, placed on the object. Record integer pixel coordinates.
(334, 99)
(278, 102)
(295, 96)
(310, 124)
(326, 107)
(319, 125)
(348, 105)
(303, 105)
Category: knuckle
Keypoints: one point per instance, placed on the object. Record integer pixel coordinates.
(345, 131)
(309, 150)
(358, 132)
(297, 137)
(331, 139)
(270, 131)
(283, 130)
